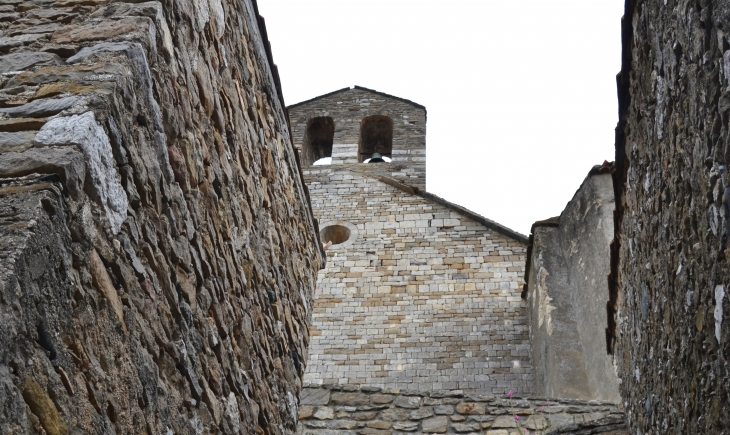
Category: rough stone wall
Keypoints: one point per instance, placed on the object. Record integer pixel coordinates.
(376, 411)
(420, 296)
(566, 295)
(671, 263)
(347, 108)
(158, 250)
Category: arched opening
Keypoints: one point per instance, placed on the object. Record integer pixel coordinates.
(376, 136)
(318, 139)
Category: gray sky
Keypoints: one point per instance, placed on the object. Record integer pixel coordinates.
(521, 95)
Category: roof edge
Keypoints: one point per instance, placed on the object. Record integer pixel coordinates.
(476, 217)
(360, 88)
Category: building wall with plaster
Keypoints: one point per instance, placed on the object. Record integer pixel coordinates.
(567, 291)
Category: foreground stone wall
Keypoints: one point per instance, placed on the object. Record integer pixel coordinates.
(671, 263)
(374, 411)
(158, 250)
(420, 296)
(567, 290)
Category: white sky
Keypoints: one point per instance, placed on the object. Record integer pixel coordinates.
(521, 95)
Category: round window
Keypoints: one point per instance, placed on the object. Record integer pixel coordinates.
(337, 234)
(341, 234)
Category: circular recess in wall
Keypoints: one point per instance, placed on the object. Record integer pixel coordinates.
(341, 234)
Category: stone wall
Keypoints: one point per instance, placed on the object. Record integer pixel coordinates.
(420, 296)
(158, 249)
(567, 290)
(670, 260)
(347, 108)
(384, 411)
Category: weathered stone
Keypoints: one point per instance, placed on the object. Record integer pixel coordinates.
(314, 396)
(40, 108)
(497, 432)
(305, 412)
(343, 425)
(84, 132)
(443, 410)
(471, 408)
(352, 399)
(536, 422)
(54, 89)
(406, 426)
(6, 43)
(435, 425)
(466, 427)
(103, 283)
(420, 414)
(365, 415)
(379, 424)
(42, 406)
(16, 141)
(410, 402)
(21, 61)
(380, 399)
(395, 414)
(65, 162)
(21, 124)
(504, 421)
(324, 413)
(139, 27)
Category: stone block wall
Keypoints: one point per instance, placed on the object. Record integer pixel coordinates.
(158, 251)
(347, 108)
(567, 291)
(669, 329)
(419, 297)
(383, 411)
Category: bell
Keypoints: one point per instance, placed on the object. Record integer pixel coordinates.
(376, 158)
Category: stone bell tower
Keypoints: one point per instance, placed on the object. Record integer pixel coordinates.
(351, 124)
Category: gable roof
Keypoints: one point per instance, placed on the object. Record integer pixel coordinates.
(382, 94)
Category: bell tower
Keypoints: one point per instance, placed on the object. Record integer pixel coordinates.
(348, 126)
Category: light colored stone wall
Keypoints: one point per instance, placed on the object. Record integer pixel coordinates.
(421, 297)
(376, 411)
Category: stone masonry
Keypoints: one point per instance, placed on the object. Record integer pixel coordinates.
(422, 294)
(668, 313)
(566, 291)
(348, 108)
(158, 253)
(380, 411)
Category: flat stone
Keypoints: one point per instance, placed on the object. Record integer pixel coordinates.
(435, 425)
(66, 162)
(466, 427)
(380, 399)
(104, 47)
(420, 414)
(305, 412)
(365, 415)
(16, 141)
(504, 421)
(410, 402)
(86, 133)
(315, 396)
(443, 410)
(343, 425)
(324, 413)
(21, 124)
(536, 422)
(352, 399)
(379, 424)
(107, 29)
(406, 426)
(40, 108)
(53, 89)
(103, 283)
(395, 414)
(20, 61)
(471, 408)
(8, 42)
(497, 432)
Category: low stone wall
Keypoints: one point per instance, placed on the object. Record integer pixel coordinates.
(349, 410)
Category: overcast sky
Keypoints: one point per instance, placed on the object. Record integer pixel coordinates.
(521, 95)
